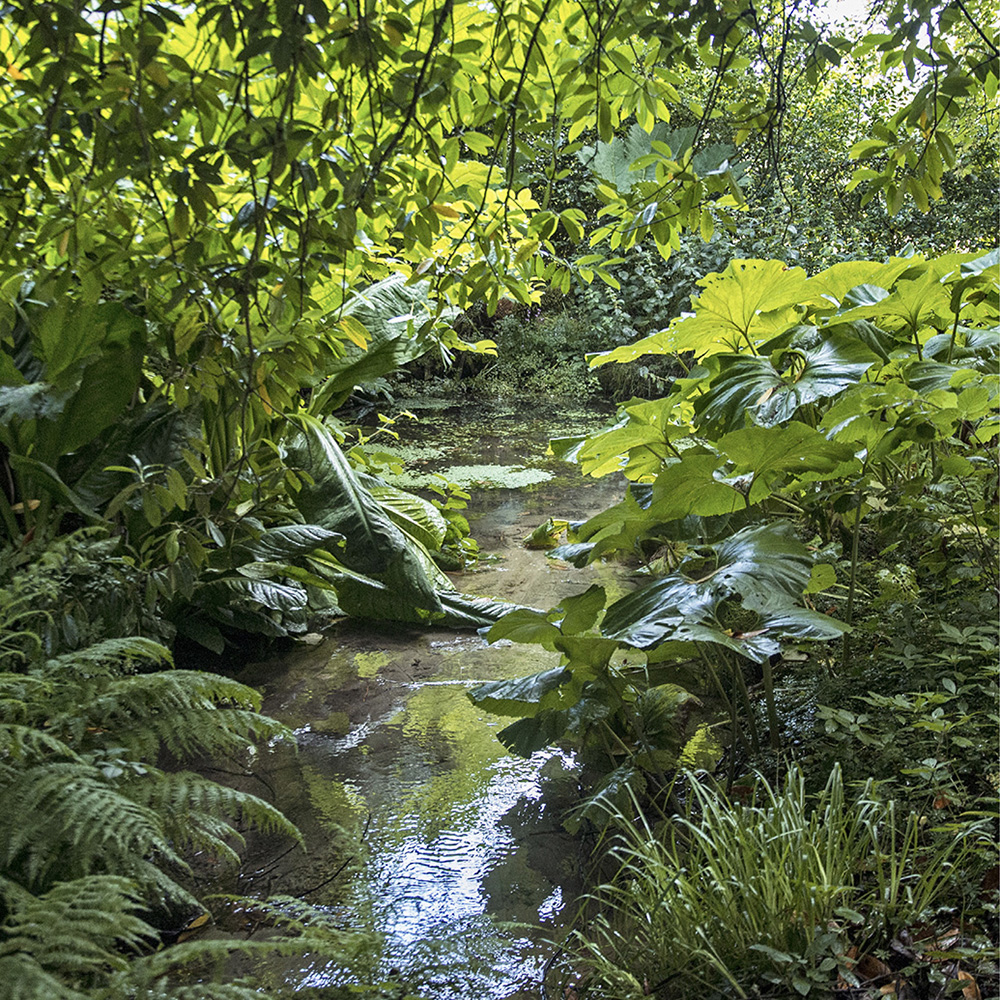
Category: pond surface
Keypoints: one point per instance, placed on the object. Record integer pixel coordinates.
(419, 825)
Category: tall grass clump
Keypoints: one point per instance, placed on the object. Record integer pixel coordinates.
(758, 899)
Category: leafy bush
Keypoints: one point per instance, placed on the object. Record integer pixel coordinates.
(777, 897)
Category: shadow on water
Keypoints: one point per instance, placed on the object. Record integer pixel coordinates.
(419, 825)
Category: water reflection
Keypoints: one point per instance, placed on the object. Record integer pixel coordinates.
(463, 850)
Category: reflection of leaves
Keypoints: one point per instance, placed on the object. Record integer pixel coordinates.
(614, 795)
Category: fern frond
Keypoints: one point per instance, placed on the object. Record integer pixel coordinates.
(28, 745)
(68, 818)
(21, 695)
(193, 808)
(186, 711)
(24, 979)
(78, 927)
(119, 654)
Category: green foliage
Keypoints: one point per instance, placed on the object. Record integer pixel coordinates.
(757, 899)
(811, 399)
(97, 841)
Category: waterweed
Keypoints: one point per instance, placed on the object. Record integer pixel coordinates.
(756, 899)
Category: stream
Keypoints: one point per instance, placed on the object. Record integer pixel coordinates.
(421, 830)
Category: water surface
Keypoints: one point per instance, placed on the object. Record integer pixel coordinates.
(419, 825)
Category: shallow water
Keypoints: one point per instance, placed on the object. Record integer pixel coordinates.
(419, 825)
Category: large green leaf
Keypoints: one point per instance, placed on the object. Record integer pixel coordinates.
(279, 544)
(764, 565)
(638, 444)
(524, 625)
(155, 434)
(754, 578)
(336, 500)
(657, 611)
(691, 486)
(392, 573)
(751, 301)
(468, 611)
(767, 453)
(46, 480)
(69, 336)
(523, 695)
(391, 312)
(414, 515)
(833, 284)
(274, 596)
(580, 611)
(770, 391)
(533, 733)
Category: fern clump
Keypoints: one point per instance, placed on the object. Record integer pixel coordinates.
(93, 835)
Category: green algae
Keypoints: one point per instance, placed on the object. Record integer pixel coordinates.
(482, 477)
(369, 664)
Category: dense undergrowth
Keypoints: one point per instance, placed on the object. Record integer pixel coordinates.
(811, 518)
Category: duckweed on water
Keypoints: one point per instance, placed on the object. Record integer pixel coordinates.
(483, 477)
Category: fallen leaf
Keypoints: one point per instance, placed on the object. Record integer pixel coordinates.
(193, 927)
(970, 991)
